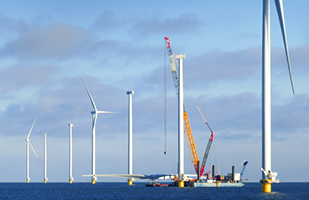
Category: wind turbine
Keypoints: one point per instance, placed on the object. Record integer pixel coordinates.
(130, 137)
(94, 121)
(70, 155)
(27, 150)
(268, 176)
(45, 159)
(29, 144)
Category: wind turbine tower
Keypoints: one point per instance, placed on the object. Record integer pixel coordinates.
(268, 176)
(130, 145)
(45, 159)
(180, 57)
(94, 121)
(70, 155)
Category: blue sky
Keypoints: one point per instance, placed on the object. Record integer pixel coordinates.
(116, 46)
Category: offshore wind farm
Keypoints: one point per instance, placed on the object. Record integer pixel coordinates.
(44, 54)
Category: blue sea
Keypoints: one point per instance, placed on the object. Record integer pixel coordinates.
(139, 191)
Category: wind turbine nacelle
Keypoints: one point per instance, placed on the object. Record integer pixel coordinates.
(130, 92)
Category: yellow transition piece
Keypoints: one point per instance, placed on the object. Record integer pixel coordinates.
(266, 187)
(181, 183)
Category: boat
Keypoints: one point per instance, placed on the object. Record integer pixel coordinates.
(230, 180)
(158, 185)
(218, 184)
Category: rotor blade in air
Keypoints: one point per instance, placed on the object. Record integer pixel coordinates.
(31, 129)
(279, 7)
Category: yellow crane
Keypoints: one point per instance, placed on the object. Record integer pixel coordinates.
(188, 132)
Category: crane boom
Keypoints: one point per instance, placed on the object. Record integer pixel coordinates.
(172, 63)
(208, 144)
(243, 169)
(190, 141)
(188, 132)
(206, 153)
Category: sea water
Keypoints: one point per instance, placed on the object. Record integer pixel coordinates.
(139, 191)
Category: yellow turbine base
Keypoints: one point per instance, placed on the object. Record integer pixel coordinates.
(27, 181)
(45, 181)
(130, 182)
(70, 181)
(93, 181)
(266, 187)
(181, 183)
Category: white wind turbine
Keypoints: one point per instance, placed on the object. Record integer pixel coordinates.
(45, 159)
(29, 144)
(27, 150)
(130, 137)
(94, 121)
(268, 176)
(71, 155)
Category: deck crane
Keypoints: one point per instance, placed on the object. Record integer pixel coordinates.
(188, 132)
(243, 168)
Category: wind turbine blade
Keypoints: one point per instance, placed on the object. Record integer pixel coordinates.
(33, 150)
(95, 117)
(31, 128)
(94, 121)
(106, 112)
(91, 99)
(16, 140)
(279, 7)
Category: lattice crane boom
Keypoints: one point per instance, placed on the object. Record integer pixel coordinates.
(206, 153)
(190, 141)
(208, 144)
(172, 63)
